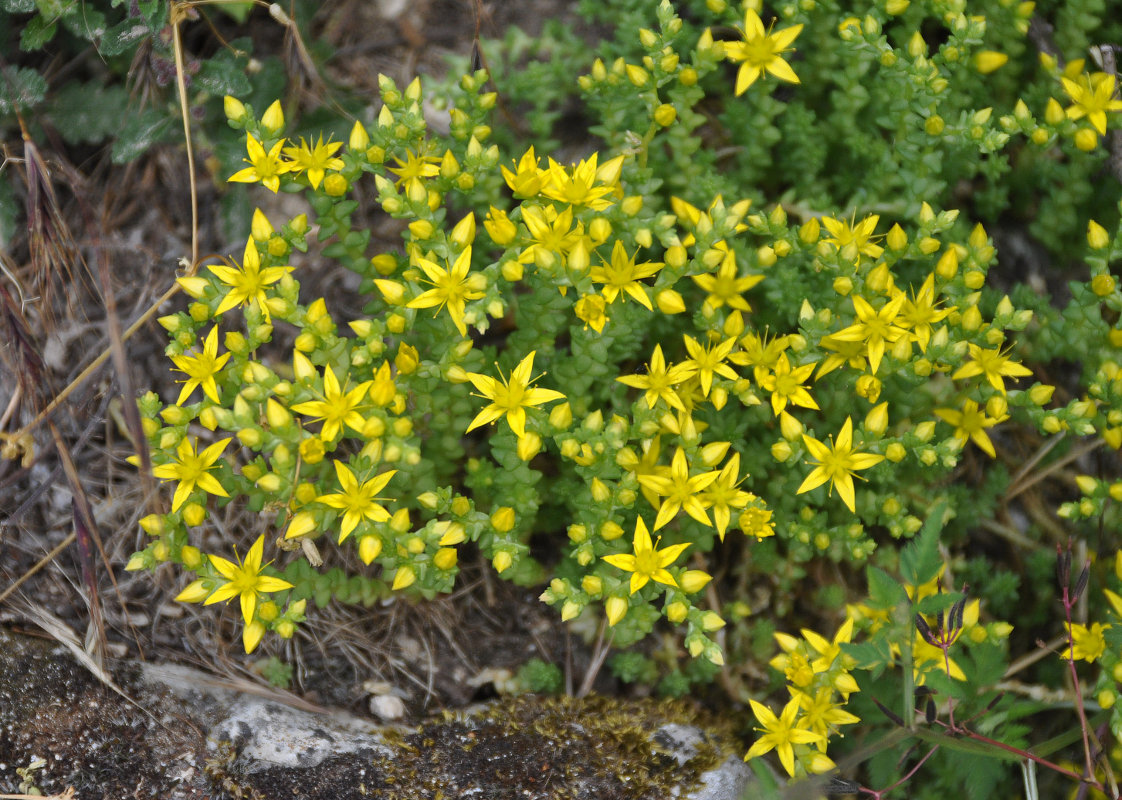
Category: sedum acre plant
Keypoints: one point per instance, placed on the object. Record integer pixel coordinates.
(711, 347)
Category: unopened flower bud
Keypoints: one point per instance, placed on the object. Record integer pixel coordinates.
(616, 608)
(234, 109)
(194, 514)
(694, 580)
(529, 445)
(611, 530)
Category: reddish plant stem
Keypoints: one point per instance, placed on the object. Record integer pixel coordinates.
(1069, 603)
(880, 793)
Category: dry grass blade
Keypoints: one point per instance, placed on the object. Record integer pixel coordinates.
(86, 531)
(44, 561)
(173, 673)
(27, 366)
(599, 654)
(64, 635)
(116, 342)
(178, 14)
(298, 62)
(1024, 480)
(51, 244)
(479, 61)
(101, 358)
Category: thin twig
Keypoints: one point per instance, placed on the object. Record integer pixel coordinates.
(1026, 661)
(97, 362)
(1045, 473)
(44, 561)
(598, 656)
(175, 16)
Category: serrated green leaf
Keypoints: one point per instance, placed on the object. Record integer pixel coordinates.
(988, 664)
(139, 133)
(21, 88)
(86, 23)
(87, 112)
(221, 77)
(884, 591)
(17, 6)
(940, 601)
(985, 773)
(920, 560)
(866, 654)
(36, 33)
(123, 36)
(1113, 637)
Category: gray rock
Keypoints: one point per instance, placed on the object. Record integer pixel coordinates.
(268, 735)
(196, 734)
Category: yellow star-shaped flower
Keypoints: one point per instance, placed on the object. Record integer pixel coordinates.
(647, 562)
(1092, 97)
(528, 179)
(264, 168)
(659, 382)
(358, 501)
(781, 733)
(414, 169)
(201, 368)
(920, 313)
(836, 464)
(244, 581)
(786, 385)
(190, 468)
(337, 408)
(452, 287)
(247, 284)
(723, 495)
(314, 159)
(970, 424)
(858, 235)
(622, 275)
(875, 329)
(761, 52)
(683, 492)
(586, 184)
(510, 397)
(993, 365)
(725, 286)
(709, 360)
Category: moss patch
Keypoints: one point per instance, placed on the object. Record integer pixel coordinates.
(595, 748)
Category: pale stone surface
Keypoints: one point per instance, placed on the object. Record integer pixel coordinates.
(268, 735)
(237, 734)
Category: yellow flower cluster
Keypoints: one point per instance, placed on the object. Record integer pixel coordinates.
(819, 684)
(265, 167)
